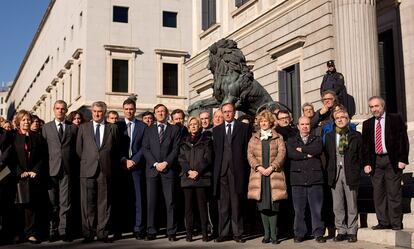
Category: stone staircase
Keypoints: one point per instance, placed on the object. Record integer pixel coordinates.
(402, 238)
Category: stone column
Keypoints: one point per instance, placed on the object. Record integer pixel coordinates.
(356, 50)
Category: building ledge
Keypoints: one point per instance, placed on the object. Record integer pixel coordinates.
(77, 53)
(242, 8)
(171, 97)
(123, 49)
(286, 47)
(209, 30)
(169, 52)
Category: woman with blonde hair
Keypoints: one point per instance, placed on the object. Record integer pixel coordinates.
(266, 154)
(195, 158)
(30, 158)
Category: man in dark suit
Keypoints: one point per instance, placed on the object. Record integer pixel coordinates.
(98, 148)
(160, 148)
(132, 133)
(60, 136)
(385, 156)
(231, 170)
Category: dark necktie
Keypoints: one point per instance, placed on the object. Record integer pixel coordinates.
(98, 136)
(130, 138)
(378, 137)
(162, 131)
(228, 134)
(60, 131)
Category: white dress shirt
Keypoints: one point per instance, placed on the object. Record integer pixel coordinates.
(101, 130)
(382, 122)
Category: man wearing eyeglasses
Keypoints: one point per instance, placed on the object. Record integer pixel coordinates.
(323, 115)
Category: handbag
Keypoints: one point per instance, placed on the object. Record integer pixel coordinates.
(23, 192)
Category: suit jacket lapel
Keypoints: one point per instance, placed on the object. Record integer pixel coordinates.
(107, 131)
(236, 128)
(134, 133)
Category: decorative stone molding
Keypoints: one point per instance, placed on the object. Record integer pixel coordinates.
(77, 53)
(54, 82)
(286, 47)
(175, 53)
(61, 73)
(242, 8)
(69, 63)
(209, 30)
(123, 49)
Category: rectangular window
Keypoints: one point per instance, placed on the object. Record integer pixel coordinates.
(239, 3)
(1, 111)
(1, 102)
(169, 19)
(169, 79)
(120, 14)
(208, 13)
(289, 89)
(120, 76)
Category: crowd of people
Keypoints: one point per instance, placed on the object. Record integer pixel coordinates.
(109, 173)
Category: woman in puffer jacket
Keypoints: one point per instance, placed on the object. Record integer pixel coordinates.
(195, 158)
(266, 154)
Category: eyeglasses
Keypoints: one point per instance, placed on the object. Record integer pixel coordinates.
(324, 99)
(284, 118)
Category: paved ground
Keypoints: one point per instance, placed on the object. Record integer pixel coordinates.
(162, 243)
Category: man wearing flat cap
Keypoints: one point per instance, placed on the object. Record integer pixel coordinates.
(334, 81)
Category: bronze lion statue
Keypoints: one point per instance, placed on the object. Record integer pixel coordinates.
(233, 82)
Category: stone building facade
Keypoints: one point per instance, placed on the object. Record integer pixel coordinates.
(289, 42)
(89, 50)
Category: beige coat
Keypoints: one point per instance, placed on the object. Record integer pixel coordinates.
(277, 158)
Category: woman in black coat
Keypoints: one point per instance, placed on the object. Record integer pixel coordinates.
(7, 189)
(30, 154)
(195, 159)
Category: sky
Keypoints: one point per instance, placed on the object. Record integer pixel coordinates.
(19, 20)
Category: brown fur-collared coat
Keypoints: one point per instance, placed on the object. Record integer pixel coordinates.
(277, 158)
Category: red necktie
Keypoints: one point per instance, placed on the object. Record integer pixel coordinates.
(378, 138)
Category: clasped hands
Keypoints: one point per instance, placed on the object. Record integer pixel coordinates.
(192, 174)
(30, 174)
(265, 171)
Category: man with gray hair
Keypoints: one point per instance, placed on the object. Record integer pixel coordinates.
(385, 156)
(343, 151)
(97, 146)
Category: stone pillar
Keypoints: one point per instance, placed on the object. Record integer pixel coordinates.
(407, 34)
(356, 50)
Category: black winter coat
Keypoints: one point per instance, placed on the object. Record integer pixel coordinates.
(352, 158)
(198, 157)
(305, 170)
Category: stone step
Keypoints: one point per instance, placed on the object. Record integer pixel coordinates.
(402, 238)
(408, 220)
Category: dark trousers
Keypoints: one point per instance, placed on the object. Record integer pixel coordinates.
(7, 210)
(230, 207)
(386, 183)
(60, 194)
(96, 205)
(139, 226)
(312, 195)
(200, 195)
(152, 192)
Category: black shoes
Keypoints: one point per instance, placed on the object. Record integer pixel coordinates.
(239, 239)
(340, 237)
(396, 228)
(189, 238)
(139, 236)
(265, 240)
(53, 237)
(106, 240)
(87, 240)
(275, 242)
(150, 237)
(320, 239)
(172, 237)
(205, 238)
(298, 239)
(352, 238)
(380, 227)
(220, 239)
